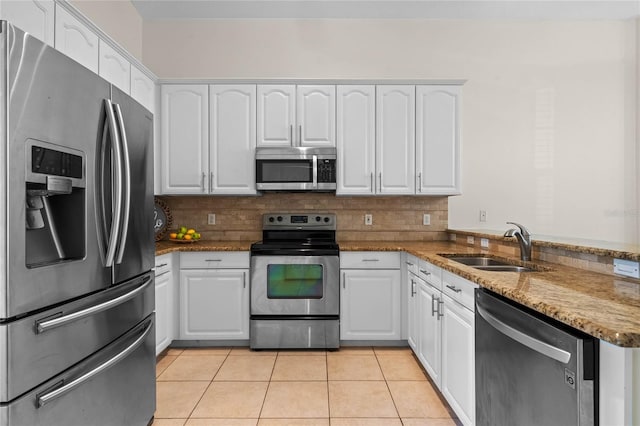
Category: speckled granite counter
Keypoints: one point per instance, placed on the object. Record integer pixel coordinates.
(604, 306)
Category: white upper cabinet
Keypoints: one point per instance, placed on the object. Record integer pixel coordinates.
(316, 114)
(276, 115)
(395, 139)
(438, 139)
(290, 115)
(185, 139)
(75, 40)
(114, 67)
(143, 89)
(355, 139)
(37, 17)
(233, 139)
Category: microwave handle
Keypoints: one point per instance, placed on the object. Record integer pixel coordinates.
(315, 171)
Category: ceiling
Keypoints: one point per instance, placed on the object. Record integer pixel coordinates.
(386, 9)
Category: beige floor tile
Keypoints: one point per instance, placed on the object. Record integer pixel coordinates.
(354, 367)
(222, 422)
(352, 350)
(247, 351)
(365, 422)
(360, 399)
(232, 400)
(177, 399)
(188, 367)
(400, 367)
(300, 368)
(296, 400)
(168, 422)
(416, 399)
(301, 352)
(293, 422)
(393, 351)
(428, 422)
(246, 368)
(163, 362)
(207, 351)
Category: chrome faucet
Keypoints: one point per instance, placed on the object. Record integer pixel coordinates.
(524, 238)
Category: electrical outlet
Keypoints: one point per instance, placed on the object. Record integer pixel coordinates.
(368, 219)
(484, 242)
(470, 239)
(211, 219)
(483, 215)
(426, 219)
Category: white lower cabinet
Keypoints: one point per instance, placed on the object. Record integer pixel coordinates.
(214, 296)
(370, 298)
(165, 302)
(445, 335)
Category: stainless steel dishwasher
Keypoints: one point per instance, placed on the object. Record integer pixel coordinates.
(530, 369)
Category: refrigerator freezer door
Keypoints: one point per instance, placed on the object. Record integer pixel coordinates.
(135, 253)
(113, 387)
(51, 102)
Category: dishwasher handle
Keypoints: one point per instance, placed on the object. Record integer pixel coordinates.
(537, 345)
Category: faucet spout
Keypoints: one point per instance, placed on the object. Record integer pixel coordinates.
(524, 239)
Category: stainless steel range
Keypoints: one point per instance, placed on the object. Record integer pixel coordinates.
(295, 283)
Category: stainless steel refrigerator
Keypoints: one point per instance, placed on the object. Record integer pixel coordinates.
(77, 338)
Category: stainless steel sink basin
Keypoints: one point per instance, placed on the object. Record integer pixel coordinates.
(487, 263)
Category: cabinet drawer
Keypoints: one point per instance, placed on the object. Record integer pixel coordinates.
(430, 273)
(459, 289)
(412, 264)
(370, 260)
(163, 264)
(215, 260)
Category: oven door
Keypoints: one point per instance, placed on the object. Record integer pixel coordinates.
(295, 285)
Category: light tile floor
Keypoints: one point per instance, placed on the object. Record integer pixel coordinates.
(349, 387)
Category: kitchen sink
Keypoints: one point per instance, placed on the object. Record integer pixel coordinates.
(487, 263)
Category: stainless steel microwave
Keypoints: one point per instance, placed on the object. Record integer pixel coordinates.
(296, 169)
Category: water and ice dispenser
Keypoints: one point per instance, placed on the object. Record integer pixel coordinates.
(55, 217)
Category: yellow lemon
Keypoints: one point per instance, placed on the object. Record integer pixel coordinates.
(191, 231)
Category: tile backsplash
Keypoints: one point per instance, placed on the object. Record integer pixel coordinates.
(395, 218)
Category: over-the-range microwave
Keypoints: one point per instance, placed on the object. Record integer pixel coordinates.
(296, 169)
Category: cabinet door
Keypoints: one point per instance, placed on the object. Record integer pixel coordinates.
(75, 40)
(185, 139)
(233, 139)
(458, 360)
(316, 116)
(395, 139)
(143, 89)
(438, 139)
(370, 305)
(33, 16)
(276, 115)
(429, 339)
(214, 304)
(164, 311)
(114, 67)
(355, 139)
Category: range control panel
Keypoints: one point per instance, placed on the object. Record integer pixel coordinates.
(299, 221)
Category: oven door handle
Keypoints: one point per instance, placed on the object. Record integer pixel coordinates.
(315, 170)
(532, 343)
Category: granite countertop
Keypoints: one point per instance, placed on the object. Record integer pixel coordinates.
(604, 306)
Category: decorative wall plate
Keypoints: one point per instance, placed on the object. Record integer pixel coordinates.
(162, 219)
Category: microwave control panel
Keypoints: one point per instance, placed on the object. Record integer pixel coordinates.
(326, 171)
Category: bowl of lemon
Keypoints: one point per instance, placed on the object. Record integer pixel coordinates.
(184, 235)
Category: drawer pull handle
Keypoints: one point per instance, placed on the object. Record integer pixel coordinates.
(371, 260)
(161, 265)
(409, 263)
(213, 260)
(424, 271)
(454, 288)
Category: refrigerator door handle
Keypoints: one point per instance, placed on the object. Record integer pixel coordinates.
(117, 183)
(50, 396)
(126, 184)
(546, 349)
(43, 326)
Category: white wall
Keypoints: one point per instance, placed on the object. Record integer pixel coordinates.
(549, 109)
